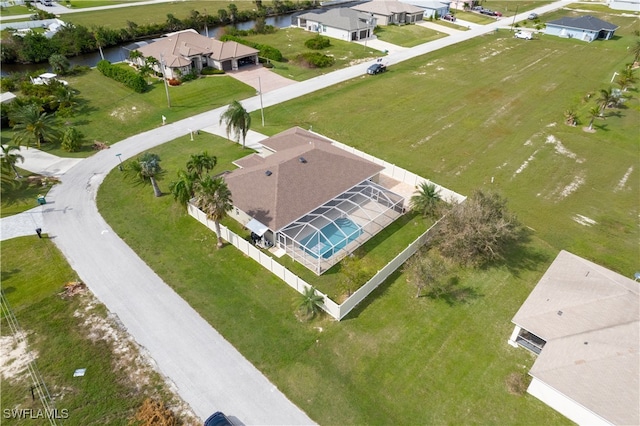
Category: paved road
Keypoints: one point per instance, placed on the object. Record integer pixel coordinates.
(208, 372)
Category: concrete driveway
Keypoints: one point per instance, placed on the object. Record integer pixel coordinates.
(260, 77)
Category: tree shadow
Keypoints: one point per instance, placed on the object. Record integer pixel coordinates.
(520, 255)
(453, 294)
(380, 291)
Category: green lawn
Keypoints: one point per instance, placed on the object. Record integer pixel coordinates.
(83, 4)
(33, 274)
(290, 41)
(442, 356)
(14, 10)
(407, 35)
(109, 112)
(19, 195)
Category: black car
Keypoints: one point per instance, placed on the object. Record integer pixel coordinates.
(449, 17)
(376, 68)
(218, 419)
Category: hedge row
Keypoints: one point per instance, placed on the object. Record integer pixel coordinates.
(316, 60)
(265, 50)
(125, 76)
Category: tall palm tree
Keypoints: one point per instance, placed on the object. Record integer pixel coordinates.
(10, 158)
(310, 303)
(594, 113)
(147, 168)
(214, 199)
(425, 199)
(606, 98)
(626, 79)
(183, 188)
(32, 125)
(635, 51)
(237, 120)
(198, 163)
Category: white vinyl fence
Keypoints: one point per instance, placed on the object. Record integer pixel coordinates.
(332, 308)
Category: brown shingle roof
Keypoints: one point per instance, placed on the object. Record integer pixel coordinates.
(295, 187)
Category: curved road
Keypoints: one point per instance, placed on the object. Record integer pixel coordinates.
(208, 373)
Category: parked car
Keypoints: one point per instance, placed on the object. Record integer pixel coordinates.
(526, 35)
(532, 16)
(477, 8)
(449, 17)
(376, 68)
(487, 12)
(218, 419)
(498, 14)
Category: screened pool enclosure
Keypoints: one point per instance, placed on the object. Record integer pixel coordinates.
(323, 237)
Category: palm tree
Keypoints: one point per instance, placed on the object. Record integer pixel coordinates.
(635, 51)
(152, 62)
(198, 163)
(147, 168)
(606, 99)
(237, 120)
(9, 158)
(183, 188)
(425, 199)
(626, 78)
(214, 199)
(59, 63)
(570, 117)
(310, 303)
(33, 125)
(594, 113)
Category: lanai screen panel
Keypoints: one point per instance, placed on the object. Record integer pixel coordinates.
(323, 237)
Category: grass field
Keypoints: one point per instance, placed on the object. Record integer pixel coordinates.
(14, 10)
(20, 195)
(407, 35)
(33, 274)
(83, 4)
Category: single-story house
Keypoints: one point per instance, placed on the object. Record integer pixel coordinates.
(185, 51)
(391, 12)
(311, 199)
(431, 8)
(341, 23)
(585, 28)
(628, 5)
(583, 322)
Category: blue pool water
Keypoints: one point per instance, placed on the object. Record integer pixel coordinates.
(333, 237)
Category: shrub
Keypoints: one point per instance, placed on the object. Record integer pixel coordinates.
(316, 60)
(266, 51)
(173, 82)
(72, 139)
(318, 43)
(211, 71)
(128, 77)
(517, 383)
(188, 77)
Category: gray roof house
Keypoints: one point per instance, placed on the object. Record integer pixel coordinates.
(185, 51)
(391, 12)
(315, 201)
(586, 28)
(583, 321)
(341, 23)
(431, 8)
(630, 5)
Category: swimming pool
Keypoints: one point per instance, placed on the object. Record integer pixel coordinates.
(331, 239)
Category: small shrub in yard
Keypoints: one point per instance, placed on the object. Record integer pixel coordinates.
(174, 82)
(154, 413)
(189, 77)
(211, 71)
(266, 51)
(316, 60)
(318, 43)
(72, 139)
(517, 383)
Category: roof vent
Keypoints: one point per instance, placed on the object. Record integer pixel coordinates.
(302, 160)
(268, 173)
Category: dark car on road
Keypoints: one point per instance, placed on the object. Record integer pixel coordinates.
(376, 68)
(218, 419)
(449, 17)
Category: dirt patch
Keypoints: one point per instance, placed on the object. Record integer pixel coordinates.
(14, 358)
(584, 220)
(125, 113)
(621, 184)
(525, 164)
(562, 150)
(577, 182)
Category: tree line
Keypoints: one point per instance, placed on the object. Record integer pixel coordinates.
(74, 40)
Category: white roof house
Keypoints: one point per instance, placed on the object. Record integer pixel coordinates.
(583, 321)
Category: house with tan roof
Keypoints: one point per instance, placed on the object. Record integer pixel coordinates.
(391, 12)
(186, 51)
(583, 322)
(310, 198)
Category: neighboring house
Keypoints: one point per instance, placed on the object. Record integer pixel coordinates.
(391, 12)
(585, 28)
(629, 5)
(583, 321)
(341, 23)
(186, 51)
(431, 8)
(312, 200)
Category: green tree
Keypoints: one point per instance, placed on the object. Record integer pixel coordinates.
(233, 12)
(426, 199)
(183, 188)
(425, 270)
(147, 168)
(310, 303)
(72, 139)
(354, 272)
(606, 99)
(626, 79)
(237, 120)
(32, 125)
(635, 51)
(594, 113)
(213, 197)
(478, 230)
(10, 158)
(199, 163)
(59, 63)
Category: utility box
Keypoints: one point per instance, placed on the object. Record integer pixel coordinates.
(41, 200)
